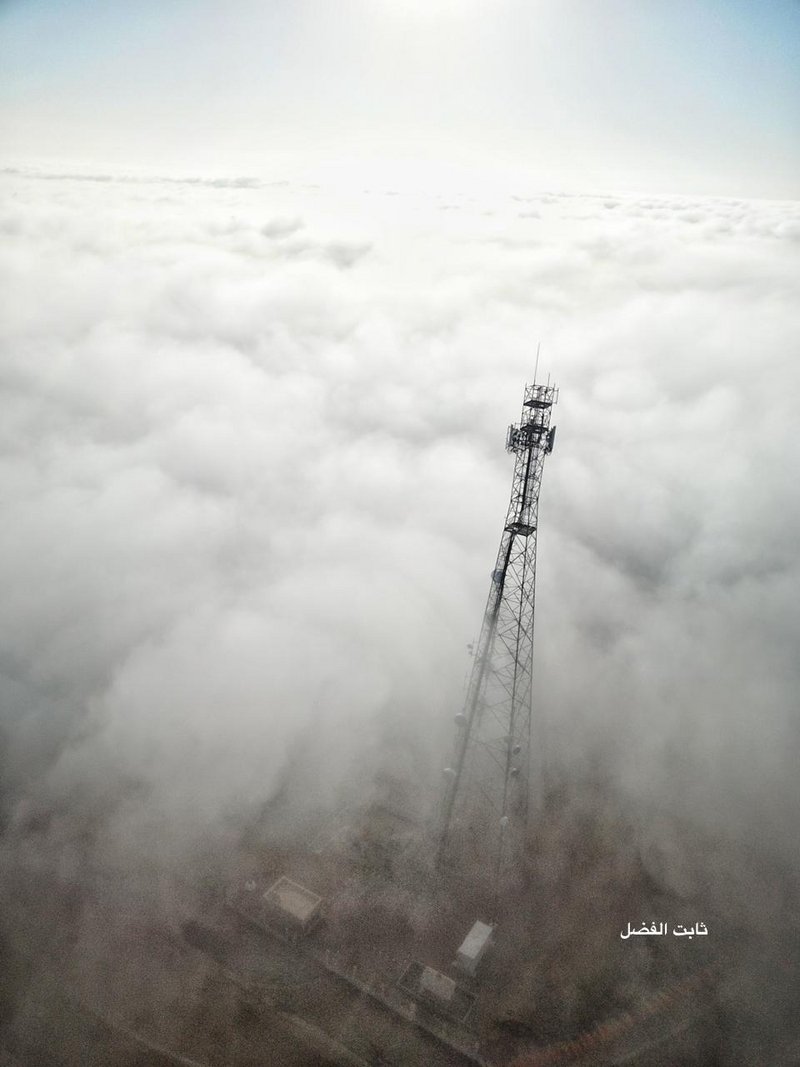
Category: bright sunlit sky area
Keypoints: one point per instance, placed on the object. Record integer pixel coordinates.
(668, 96)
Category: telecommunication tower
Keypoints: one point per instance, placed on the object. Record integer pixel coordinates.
(487, 785)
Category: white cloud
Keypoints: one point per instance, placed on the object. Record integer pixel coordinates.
(253, 472)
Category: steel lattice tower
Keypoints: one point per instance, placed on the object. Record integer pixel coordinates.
(486, 796)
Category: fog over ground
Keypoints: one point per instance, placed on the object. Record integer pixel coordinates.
(253, 479)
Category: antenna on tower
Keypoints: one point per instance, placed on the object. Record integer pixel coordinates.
(536, 367)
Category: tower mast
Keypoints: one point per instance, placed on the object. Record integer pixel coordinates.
(486, 796)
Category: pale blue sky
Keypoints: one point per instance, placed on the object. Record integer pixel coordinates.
(663, 95)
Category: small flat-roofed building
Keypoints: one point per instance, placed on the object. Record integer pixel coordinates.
(291, 907)
(436, 992)
(473, 948)
(437, 985)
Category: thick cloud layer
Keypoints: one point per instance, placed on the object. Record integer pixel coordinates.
(252, 460)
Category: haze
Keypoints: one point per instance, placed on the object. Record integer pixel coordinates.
(272, 279)
(681, 97)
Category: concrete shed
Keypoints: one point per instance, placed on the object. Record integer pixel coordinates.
(292, 906)
(473, 947)
(437, 985)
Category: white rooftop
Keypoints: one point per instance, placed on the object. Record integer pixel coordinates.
(437, 984)
(473, 947)
(476, 940)
(293, 899)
